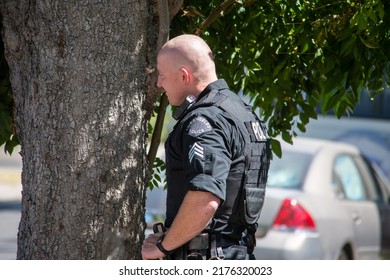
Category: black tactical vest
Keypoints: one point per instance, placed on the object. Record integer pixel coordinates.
(251, 186)
(246, 181)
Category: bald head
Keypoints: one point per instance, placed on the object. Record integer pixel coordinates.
(193, 53)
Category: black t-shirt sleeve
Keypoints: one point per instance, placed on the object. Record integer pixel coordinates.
(207, 156)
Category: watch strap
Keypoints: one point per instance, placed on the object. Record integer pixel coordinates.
(161, 247)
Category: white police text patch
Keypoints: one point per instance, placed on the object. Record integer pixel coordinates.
(198, 126)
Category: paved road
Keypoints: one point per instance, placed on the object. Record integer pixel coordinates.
(9, 223)
(10, 195)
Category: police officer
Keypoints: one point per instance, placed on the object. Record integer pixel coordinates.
(217, 159)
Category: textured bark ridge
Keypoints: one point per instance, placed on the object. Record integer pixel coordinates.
(78, 72)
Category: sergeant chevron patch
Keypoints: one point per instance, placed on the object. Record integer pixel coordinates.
(196, 151)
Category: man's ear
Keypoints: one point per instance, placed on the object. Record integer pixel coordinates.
(185, 75)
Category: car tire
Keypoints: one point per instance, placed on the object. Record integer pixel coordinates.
(343, 255)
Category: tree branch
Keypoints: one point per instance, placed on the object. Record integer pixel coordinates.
(213, 16)
(174, 7)
(157, 131)
(164, 21)
(217, 13)
(167, 9)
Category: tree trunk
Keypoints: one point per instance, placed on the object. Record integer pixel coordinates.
(78, 74)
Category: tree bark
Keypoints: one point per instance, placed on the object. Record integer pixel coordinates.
(78, 74)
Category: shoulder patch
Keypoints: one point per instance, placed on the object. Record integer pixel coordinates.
(198, 126)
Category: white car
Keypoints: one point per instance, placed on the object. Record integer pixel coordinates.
(320, 204)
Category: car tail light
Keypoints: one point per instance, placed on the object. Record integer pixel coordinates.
(293, 216)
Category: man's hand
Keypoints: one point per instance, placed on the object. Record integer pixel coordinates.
(149, 248)
(194, 215)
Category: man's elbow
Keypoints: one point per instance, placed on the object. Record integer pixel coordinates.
(214, 202)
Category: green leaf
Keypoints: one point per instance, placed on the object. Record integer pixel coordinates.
(334, 100)
(276, 147)
(301, 127)
(309, 110)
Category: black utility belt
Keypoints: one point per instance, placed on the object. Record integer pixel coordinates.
(198, 248)
(199, 242)
(207, 246)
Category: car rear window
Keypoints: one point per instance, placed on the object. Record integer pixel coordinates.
(289, 171)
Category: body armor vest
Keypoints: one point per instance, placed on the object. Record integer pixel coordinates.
(246, 185)
(257, 153)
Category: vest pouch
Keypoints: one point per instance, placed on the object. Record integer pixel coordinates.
(253, 187)
(252, 204)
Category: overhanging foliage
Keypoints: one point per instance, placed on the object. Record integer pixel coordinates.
(293, 56)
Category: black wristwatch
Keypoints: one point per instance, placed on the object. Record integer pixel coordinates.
(161, 247)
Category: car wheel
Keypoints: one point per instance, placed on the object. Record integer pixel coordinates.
(343, 255)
